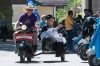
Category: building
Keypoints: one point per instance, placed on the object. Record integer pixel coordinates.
(46, 7)
(91, 4)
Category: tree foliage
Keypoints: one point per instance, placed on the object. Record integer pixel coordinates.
(1, 14)
(61, 13)
(73, 3)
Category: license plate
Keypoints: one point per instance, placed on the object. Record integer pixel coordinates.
(24, 36)
(20, 36)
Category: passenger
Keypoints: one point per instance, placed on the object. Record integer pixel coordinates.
(53, 33)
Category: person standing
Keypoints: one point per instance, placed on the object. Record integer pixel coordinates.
(69, 22)
(43, 22)
(88, 13)
(4, 30)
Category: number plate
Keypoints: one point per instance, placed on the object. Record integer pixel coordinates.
(23, 36)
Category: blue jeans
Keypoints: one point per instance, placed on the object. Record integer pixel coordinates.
(69, 40)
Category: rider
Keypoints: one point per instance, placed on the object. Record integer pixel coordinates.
(29, 19)
(50, 31)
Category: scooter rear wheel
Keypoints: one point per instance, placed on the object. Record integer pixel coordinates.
(83, 55)
(63, 57)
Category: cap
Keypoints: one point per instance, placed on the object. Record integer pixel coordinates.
(43, 16)
(49, 16)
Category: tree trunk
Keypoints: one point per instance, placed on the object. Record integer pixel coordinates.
(6, 9)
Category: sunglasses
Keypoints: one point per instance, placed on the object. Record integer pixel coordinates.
(29, 9)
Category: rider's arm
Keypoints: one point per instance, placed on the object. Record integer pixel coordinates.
(35, 20)
(18, 22)
(16, 25)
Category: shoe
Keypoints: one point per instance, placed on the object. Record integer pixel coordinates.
(59, 55)
(34, 48)
(16, 52)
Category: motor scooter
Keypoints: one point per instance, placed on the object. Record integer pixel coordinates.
(24, 41)
(92, 59)
(75, 42)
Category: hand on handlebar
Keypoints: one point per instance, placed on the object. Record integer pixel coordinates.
(16, 28)
(59, 26)
(34, 29)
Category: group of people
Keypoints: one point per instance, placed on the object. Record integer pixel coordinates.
(51, 28)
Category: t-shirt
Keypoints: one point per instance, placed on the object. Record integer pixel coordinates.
(69, 22)
(43, 23)
(3, 22)
(29, 21)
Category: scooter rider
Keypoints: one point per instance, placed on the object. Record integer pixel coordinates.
(50, 31)
(29, 19)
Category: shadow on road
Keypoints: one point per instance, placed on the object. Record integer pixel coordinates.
(84, 62)
(54, 61)
(7, 46)
(27, 62)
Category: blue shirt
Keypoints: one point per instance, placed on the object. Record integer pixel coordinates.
(97, 20)
(43, 23)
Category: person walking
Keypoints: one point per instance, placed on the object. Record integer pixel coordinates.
(4, 30)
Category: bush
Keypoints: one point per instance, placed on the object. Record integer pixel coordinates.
(1, 14)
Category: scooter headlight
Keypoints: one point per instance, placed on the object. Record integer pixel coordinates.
(23, 27)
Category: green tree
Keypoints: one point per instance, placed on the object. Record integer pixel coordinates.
(6, 9)
(73, 3)
(1, 14)
(62, 12)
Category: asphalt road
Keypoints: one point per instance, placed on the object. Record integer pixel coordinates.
(9, 58)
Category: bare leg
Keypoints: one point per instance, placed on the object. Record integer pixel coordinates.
(34, 39)
(34, 36)
(17, 45)
(14, 34)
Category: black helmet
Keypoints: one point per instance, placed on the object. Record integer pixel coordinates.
(49, 16)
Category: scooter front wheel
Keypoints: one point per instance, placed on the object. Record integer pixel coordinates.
(93, 61)
(22, 55)
(83, 55)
